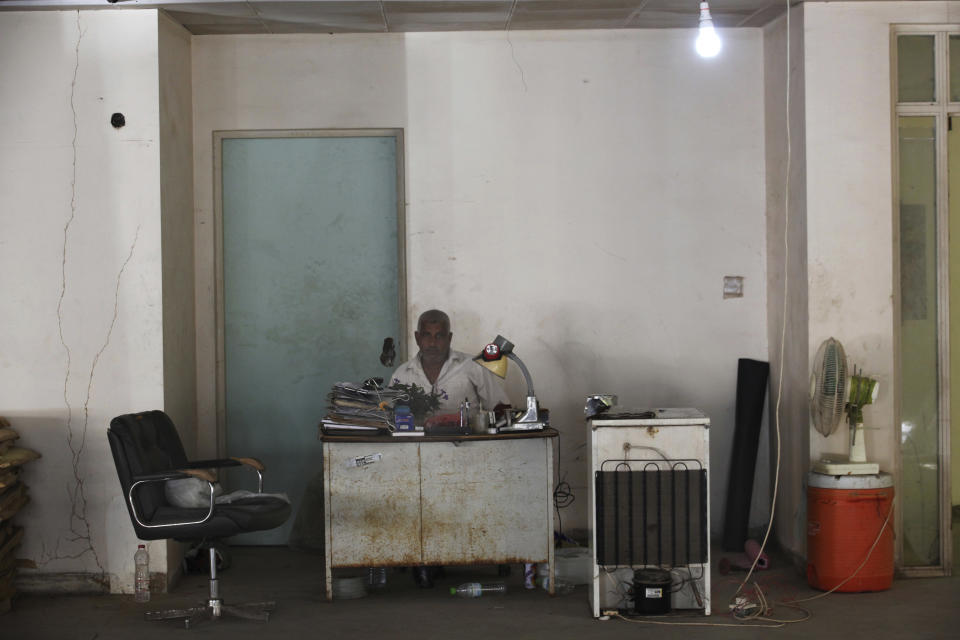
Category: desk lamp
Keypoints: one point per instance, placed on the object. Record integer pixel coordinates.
(493, 358)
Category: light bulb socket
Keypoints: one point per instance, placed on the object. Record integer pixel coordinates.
(705, 15)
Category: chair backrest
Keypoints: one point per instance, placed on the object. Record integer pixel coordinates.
(144, 443)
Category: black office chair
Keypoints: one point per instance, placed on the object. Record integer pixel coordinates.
(147, 452)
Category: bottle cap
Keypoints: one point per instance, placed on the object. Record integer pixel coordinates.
(453, 591)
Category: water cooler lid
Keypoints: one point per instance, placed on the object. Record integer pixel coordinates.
(873, 481)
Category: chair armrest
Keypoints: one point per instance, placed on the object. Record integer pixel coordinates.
(177, 474)
(163, 476)
(225, 462)
(216, 463)
(203, 474)
(253, 463)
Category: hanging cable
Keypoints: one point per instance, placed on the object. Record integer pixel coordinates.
(783, 323)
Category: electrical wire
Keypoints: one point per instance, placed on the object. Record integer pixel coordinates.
(757, 614)
(783, 334)
(659, 452)
(783, 324)
(617, 614)
(562, 494)
(562, 497)
(883, 527)
(760, 609)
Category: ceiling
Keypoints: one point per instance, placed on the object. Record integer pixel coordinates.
(380, 16)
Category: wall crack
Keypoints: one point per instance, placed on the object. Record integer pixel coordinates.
(79, 534)
(506, 27)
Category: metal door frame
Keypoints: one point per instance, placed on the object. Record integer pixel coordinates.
(218, 138)
(939, 110)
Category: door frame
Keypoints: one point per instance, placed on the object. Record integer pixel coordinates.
(940, 111)
(218, 138)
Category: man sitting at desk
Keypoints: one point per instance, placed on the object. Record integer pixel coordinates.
(452, 375)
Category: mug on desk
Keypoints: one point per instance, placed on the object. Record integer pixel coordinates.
(481, 421)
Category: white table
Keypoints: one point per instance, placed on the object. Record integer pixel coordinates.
(435, 500)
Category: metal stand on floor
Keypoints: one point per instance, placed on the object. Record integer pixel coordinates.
(215, 608)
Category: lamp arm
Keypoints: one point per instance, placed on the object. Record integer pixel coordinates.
(531, 415)
(525, 372)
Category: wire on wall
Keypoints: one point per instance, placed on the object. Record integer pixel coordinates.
(783, 311)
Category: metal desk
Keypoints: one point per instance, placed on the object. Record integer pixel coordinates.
(438, 500)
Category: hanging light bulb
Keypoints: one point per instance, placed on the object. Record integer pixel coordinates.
(708, 42)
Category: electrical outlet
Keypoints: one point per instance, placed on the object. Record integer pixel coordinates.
(732, 286)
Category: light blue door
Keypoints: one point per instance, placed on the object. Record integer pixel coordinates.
(310, 291)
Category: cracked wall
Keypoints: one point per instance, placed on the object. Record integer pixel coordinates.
(80, 273)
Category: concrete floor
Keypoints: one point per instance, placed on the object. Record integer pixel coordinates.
(923, 608)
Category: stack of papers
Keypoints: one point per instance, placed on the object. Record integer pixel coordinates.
(360, 408)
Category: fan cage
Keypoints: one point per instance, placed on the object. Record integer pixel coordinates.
(828, 391)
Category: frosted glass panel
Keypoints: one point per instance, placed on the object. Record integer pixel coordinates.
(310, 271)
(915, 69)
(920, 441)
(954, 68)
(953, 155)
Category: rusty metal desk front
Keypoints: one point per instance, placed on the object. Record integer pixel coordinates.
(438, 500)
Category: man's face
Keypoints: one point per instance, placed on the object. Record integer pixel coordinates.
(434, 342)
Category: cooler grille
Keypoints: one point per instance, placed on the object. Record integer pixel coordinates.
(651, 513)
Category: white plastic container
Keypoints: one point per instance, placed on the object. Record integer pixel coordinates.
(573, 564)
(570, 564)
(350, 587)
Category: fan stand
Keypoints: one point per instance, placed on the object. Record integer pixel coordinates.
(853, 465)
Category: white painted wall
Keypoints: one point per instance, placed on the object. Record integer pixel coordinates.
(842, 220)
(582, 193)
(176, 189)
(787, 272)
(850, 193)
(80, 273)
(177, 242)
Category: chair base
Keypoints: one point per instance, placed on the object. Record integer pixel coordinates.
(213, 610)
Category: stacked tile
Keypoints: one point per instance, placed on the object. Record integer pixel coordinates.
(13, 496)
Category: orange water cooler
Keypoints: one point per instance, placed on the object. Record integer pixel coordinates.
(845, 514)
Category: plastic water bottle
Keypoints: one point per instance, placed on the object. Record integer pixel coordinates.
(562, 588)
(141, 579)
(477, 589)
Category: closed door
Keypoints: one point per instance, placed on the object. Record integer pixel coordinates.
(311, 286)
